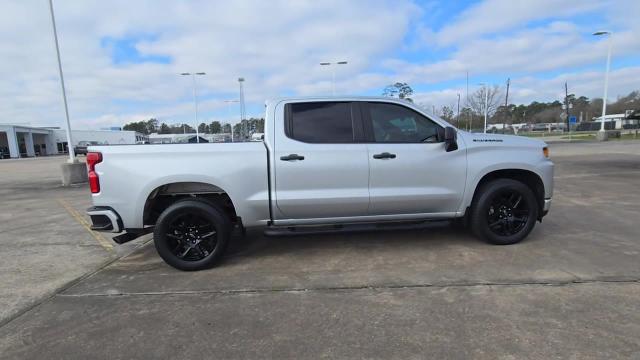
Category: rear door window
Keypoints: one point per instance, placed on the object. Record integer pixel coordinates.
(320, 122)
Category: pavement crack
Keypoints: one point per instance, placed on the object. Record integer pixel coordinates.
(357, 287)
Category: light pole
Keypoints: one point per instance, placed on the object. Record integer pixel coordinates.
(602, 134)
(333, 73)
(243, 114)
(195, 99)
(228, 102)
(72, 156)
(486, 104)
(458, 117)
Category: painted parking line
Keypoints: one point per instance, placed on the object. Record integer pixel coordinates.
(106, 244)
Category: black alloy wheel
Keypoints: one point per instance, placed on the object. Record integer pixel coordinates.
(504, 211)
(191, 237)
(508, 213)
(192, 234)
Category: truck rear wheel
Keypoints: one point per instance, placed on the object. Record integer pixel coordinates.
(192, 234)
(504, 212)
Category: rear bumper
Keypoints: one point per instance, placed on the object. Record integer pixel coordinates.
(104, 218)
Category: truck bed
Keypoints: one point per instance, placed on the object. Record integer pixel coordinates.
(130, 173)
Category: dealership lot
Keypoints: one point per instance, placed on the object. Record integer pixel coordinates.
(570, 290)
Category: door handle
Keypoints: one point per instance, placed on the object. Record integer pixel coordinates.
(384, 155)
(291, 157)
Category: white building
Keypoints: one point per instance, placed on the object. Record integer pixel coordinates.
(155, 138)
(620, 120)
(28, 141)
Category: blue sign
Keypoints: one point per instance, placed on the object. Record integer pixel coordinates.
(572, 120)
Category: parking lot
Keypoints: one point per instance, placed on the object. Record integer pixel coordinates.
(571, 290)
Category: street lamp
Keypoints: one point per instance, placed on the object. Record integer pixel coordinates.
(228, 102)
(458, 117)
(333, 73)
(195, 99)
(602, 135)
(243, 114)
(486, 104)
(72, 156)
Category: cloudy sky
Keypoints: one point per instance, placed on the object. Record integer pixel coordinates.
(122, 59)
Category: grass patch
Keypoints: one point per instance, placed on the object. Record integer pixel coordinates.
(631, 136)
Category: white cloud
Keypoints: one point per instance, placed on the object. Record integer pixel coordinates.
(498, 15)
(277, 46)
(524, 90)
(552, 47)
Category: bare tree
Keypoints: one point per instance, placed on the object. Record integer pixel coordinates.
(476, 100)
(446, 113)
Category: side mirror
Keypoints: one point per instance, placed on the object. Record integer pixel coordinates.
(450, 139)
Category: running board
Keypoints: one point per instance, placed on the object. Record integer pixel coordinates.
(131, 234)
(352, 228)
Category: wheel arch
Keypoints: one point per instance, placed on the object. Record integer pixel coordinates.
(162, 196)
(530, 178)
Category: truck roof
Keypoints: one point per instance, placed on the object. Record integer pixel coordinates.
(338, 98)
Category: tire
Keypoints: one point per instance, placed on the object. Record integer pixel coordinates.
(192, 234)
(503, 212)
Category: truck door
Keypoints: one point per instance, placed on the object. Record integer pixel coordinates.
(410, 171)
(321, 167)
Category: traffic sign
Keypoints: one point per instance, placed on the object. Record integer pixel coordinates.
(573, 120)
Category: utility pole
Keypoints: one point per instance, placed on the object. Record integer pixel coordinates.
(506, 104)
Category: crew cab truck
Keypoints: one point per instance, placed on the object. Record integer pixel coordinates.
(330, 161)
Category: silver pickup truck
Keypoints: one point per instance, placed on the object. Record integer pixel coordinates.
(330, 161)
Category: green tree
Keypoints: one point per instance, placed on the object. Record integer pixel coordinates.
(144, 127)
(151, 125)
(138, 126)
(215, 127)
(164, 129)
(400, 90)
(203, 128)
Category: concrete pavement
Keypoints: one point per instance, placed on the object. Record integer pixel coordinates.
(45, 245)
(570, 290)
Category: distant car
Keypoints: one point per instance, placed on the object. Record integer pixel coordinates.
(81, 148)
(257, 136)
(540, 127)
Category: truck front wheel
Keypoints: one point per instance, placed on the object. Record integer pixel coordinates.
(192, 234)
(504, 212)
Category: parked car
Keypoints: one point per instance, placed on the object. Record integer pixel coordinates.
(81, 148)
(540, 127)
(4, 152)
(334, 162)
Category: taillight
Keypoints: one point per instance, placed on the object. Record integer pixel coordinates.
(93, 158)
